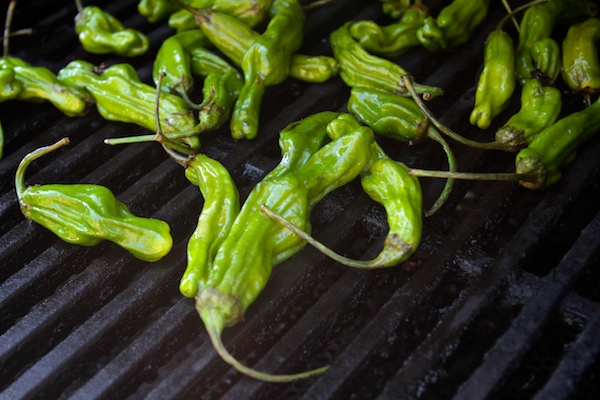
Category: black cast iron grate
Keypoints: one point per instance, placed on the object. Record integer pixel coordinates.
(500, 301)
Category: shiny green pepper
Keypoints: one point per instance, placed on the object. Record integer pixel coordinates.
(173, 58)
(359, 68)
(39, 84)
(497, 81)
(250, 12)
(266, 63)
(388, 114)
(100, 33)
(538, 23)
(221, 206)
(580, 63)
(545, 54)
(394, 39)
(86, 214)
(155, 10)
(9, 86)
(454, 25)
(121, 96)
(556, 146)
(234, 38)
(395, 8)
(540, 108)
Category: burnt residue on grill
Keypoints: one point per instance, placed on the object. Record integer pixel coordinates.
(501, 300)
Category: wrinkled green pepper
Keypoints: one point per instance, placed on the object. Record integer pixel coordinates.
(454, 25)
(156, 10)
(580, 63)
(390, 115)
(266, 63)
(545, 54)
(359, 68)
(497, 82)
(86, 214)
(395, 8)
(540, 107)
(538, 23)
(394, 39)
(121, 96)
(100, 33)
(39, 84)
(221, 206)
(556, 146)
(250, 12)
(9, 86)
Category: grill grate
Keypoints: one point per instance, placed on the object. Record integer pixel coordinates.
(500, 300)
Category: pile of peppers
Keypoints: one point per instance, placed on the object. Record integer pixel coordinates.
(238, 48)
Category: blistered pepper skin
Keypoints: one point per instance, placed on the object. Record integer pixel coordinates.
(388, 114)
(580, 62)
(497, 81)
(394, 39)
(556, 146)
(220, 208)
(359, 68)
(39, 84)
(120, 95)
(540, 107)
(86, 214)
(101, 33)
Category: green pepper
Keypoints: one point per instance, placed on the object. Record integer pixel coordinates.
(359, 68)
(9, 86)
(538, 23)
(250, 12)
(100, 33)
(390, 115)
(545, 54)
(395, 8)
(454, 25)
(39, 84)
(155, 10)
(497, 81)
(121, 96)
(580, 63)
(221, 206)
(234, 38)
(394, 39)
(86, 214)
(220, 92)
(540, 108)
(266, 63)
(556, 146)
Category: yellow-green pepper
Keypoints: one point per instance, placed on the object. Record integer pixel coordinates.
(155, 10)
(580, 63)
(86, 214)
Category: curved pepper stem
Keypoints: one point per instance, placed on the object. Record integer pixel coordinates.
(511, 13)
(381, 261)
(495, 145)
(474, 176)
(445, 194)
(29, 158)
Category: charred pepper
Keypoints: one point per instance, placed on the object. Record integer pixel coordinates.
(580, 63)
(86, 214)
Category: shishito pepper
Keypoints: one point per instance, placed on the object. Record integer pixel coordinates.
(39, 84)
(86, 214)
(155, 10)
(497, 81)
(580, 63)
(120, 95)
(255, 243)
(394, 39)
(395, 8)
(540, 108)
(454, 25)
(556, 146)
(100, 33)
(538, 23)
(359, 68)
(9, 86)
(545, 54)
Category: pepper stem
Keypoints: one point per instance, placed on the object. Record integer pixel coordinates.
(383, 260)
(20, 186)
(487, 176)
(315, 4)
(445, 194)
(214, 326)
(495, 145)
(78, 5)
(7, 22)
(511, 14)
